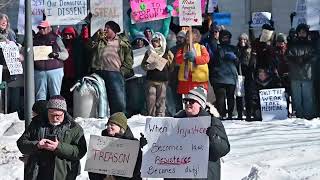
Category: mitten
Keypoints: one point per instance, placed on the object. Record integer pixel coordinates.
(169, 9)
(211, 132)
(190, 56)
(53, 55)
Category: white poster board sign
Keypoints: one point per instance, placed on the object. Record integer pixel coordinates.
(212, 4)
(41, 52)
(301, 13)
(104, 11)
(273, 104)
(177, 148)
(190, 13)
(37, 10)
(138, 55)
(11, 55)
(313, 14)
(112, 156)
(260, 18)
(65, 12)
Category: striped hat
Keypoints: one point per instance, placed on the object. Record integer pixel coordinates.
(57, 102)
(199, 94)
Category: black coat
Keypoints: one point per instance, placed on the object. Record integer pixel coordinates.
(218, 146)
(136, 173)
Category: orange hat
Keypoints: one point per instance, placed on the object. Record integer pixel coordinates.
(44, 24)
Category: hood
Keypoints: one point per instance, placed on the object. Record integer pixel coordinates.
(140, 36)
(163, 44)
(69, 30)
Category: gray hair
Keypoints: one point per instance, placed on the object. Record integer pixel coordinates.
(4, 16)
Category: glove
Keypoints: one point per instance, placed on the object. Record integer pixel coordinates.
(143, 141)
(53, 55)
(151, 66)
(211, 132)
(169, 9)
(230, 56)
(190, 56)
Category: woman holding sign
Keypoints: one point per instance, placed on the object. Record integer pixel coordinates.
(195, 104)
(117, 127)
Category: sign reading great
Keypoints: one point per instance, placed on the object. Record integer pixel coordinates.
(65, 12)
(177, 148)
(112, 156)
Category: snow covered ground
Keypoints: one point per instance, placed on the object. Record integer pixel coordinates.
(277, 150)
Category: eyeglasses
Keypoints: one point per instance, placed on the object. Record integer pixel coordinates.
(55, 114)
(189, 101)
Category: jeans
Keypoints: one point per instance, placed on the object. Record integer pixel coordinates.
(115, 87)
(136, 100)
(47, 81)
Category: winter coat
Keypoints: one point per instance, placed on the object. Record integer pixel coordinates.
(198, 70)
(136, 173)
(263, 56)
(270, 83)
(224, 68)
(218, 146)
(64, 161)
(96, 46)
(301, 58)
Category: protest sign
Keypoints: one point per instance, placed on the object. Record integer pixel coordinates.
(222, 18)
(260, 18)
(112, 156)
(65, 12)
(158, 61)
(138, 55)
(144, 11)
(212, 4)
(266, 35)
(177, 148)
(273, 104)
(313, 14)
(11, 55)
(301, 13)
(37, 10)
(104, 11)
(175, 6)
(41, 52)
(190, 13)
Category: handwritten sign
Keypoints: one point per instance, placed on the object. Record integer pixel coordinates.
(112, 156)
(138, 55)
(11, 55)
(260, 18)
(158, 61)
(175, 5)
(266, 35)
(65, 12)
(41, 52)
(222, 18)
(212, 4)
(37, 10)
(313, 14)
(190, 13)
(104, 11)
(301, 13)
(177, 148)
(273, 104)
(144, 11)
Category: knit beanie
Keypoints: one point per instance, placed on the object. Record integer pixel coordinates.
(113, 26)
(181, 34)
(198, 94)
(281, 38)
(120, 119)
(57, 102)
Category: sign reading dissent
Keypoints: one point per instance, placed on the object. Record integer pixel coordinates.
(273, 104)
(112, 156)
(65, 12)
(177, 148)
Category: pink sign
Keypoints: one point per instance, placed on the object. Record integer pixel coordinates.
(175, 6)
(148, 10)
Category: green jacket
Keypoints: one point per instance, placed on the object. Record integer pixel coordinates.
(96, 45)
(71, 148)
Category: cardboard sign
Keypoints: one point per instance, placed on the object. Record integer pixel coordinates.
(158, 61)
(222, 18)
(112, 156)
(41, 52)
(11, 55)
(144, 11)
(37, 10)
(212, 4)
(273, 104)
(266, 35)
(177, 148)
(104, 11)
(190, 13)
(65, 12)
(260, 18)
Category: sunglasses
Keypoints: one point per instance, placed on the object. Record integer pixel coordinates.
(41, 28)
(189, 101)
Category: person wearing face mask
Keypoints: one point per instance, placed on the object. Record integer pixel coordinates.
(157, 80)
(219, 146)
(302, 57)
(224, 75)
(117, 127)
(54, 144)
